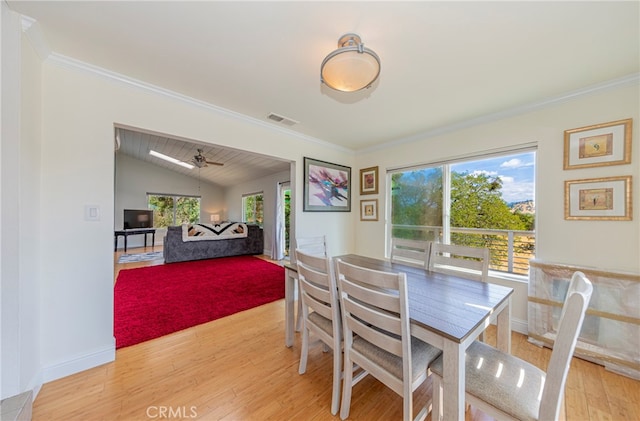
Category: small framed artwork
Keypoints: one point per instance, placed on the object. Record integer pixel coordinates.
(369, 180)
(369, 210)
(327, 187)
(599, 145)
(606, 199)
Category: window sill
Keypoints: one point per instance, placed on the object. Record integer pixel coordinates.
(511, 277)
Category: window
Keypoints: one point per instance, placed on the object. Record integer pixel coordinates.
(252, 208)
(482, 202)
(173, 209)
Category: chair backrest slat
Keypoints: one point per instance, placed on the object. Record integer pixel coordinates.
(468, 262)
(374, 306)
(410, 252)
(318, 289)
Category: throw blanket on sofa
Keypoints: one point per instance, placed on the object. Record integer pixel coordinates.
(223, 231)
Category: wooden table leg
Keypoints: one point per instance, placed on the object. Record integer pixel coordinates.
(453, 379)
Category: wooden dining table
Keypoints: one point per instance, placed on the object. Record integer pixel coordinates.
(448, 312)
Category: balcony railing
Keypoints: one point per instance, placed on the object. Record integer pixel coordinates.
(510, 250)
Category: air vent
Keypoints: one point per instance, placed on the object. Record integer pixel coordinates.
(282, 120)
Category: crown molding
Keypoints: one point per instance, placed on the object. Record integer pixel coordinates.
(35, 35)
(70, 63)
(631, 79)
(31, 28)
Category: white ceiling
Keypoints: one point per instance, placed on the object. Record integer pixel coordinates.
(443, 63)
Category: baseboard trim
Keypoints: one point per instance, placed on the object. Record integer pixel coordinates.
(80, 363)
(520, 326)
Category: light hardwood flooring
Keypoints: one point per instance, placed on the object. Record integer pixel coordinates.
(237, 368)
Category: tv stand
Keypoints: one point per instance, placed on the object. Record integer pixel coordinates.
(135, 231)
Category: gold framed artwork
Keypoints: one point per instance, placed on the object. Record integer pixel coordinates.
(598, 145)
(607, 199)
(369, 180)
(369, 210)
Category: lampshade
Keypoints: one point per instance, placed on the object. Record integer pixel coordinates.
(351, 67)
(215, 218)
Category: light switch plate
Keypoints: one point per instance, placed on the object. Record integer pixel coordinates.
(91, 213)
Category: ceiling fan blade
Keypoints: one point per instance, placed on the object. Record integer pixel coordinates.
(214, 163)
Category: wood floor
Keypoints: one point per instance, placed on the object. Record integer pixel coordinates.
(237, 368)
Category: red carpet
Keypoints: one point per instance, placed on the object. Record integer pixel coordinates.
(154, 301)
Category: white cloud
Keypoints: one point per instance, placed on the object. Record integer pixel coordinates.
(517, 191)
(485, 172)
(512, 163)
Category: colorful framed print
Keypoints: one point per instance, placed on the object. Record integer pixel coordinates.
(599, 145)
(369, 210)
(606, 199)
(327, 187)
(369, 180)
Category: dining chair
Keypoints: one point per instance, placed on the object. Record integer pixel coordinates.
(508, 388)
(315, 246)
(467, 262)
(410, 252)
(375, 320)
(320, 314)
(464, 261)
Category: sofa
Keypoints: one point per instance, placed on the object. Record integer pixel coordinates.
(177, 250)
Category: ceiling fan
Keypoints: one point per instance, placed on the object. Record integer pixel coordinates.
(201, 161)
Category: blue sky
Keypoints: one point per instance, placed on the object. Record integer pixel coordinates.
(516, 172)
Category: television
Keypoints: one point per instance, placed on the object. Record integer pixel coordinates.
(138, 218)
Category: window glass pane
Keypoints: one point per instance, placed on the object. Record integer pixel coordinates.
(187, 210)
(416, 209)
(252, 209)
(490, 205)
(162, 207)
(173, 210)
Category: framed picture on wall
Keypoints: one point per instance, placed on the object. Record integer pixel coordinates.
(369, 180)
(327, 187)
(369, 210)
(598, 145)
(598, 199)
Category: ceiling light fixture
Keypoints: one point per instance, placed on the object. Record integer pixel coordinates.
(351, 67)
(170, 159)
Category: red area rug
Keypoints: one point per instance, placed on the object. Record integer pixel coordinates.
(154, 301)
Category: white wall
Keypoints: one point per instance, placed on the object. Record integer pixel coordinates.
(269, 187)
(611, 245)
(20, 167)
(136, 178)
(79, 111)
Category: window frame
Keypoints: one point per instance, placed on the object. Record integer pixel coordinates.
(244, 215)
(446, 191)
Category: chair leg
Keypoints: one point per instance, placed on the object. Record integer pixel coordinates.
(304, 352)
(299, 314)
(337, 378)
(407, 402)
(346, 388)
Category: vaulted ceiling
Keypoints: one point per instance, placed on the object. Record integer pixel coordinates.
(238, 166)
(444, 64)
